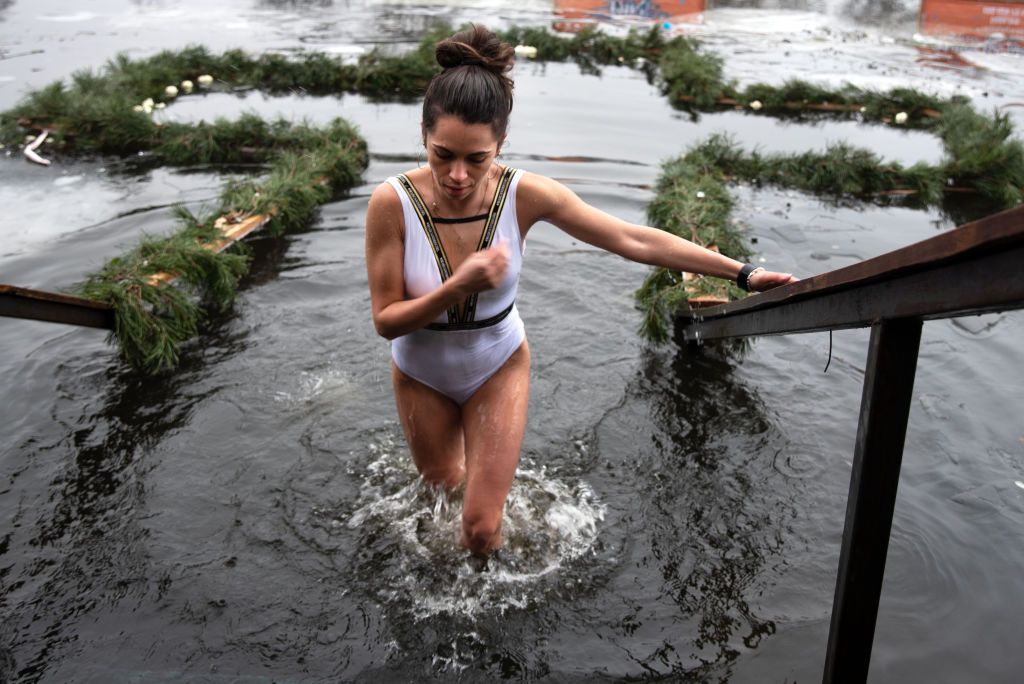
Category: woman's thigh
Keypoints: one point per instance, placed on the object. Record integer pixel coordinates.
(432, 424)
(494, 421)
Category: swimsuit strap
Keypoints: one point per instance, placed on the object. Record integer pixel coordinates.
(420, 207)
(487, 236)
(465, 321)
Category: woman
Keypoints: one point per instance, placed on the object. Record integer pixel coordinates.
(444, 247)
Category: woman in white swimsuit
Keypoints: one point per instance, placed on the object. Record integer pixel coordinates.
(444, 246)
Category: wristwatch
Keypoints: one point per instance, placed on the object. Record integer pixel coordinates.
(743, 279)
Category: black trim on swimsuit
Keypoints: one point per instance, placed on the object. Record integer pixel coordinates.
(473, 325)
(468, 219)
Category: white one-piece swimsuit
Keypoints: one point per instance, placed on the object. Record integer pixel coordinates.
(461, 349)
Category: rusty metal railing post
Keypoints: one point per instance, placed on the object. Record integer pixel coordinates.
(884, 411)
(22, 302)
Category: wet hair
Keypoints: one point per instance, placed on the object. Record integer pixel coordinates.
(473, 84)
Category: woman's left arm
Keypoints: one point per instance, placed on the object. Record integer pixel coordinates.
(544, 199)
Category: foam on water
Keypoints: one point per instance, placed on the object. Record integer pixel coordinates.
(308, 386)
(548, 524)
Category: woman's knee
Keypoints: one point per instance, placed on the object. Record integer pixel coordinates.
(481, 534)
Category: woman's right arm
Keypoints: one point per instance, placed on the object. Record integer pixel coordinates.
(393, 314)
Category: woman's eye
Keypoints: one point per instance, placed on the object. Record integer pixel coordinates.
(448, 156)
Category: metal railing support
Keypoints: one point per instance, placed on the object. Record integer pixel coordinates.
(22, 302)
(884, 412)
(973, 269)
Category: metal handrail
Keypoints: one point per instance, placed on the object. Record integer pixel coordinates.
(973, 269)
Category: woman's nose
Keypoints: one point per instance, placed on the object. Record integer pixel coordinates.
(458, 171)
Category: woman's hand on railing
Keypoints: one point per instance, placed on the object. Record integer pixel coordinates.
(765, 280)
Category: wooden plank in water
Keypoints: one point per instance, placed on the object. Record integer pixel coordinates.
(705, 301)
(23, 302)
(39, 305)
(233, 232)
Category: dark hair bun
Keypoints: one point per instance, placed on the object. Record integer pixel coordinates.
(474, 84)
(475, 46)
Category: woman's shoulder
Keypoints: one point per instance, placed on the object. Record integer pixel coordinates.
(385, 205)
(385, 194)
(391, 185)
(541, 198)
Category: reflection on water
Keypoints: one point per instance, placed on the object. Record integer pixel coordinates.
(88, 535)
(249, 513)
(718, 510)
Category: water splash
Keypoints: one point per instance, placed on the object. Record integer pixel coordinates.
(412, 532)
(307, 386)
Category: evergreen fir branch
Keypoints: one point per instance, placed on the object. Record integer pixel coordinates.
(691, 200)
(980, 154)
(652, 299)
(592, 48)
(152, 321)
(686, 74)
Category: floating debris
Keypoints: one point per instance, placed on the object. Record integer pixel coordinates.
(30, 149)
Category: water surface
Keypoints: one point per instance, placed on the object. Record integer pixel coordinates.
(254, 516)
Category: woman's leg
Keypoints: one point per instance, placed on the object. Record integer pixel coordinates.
(479, 442)
(432, 424)
(493, 421)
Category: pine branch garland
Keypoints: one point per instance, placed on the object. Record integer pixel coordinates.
(153, 320)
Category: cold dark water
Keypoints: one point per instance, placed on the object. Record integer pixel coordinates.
(255, 517)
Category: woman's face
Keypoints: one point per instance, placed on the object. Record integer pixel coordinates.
(459, 155)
